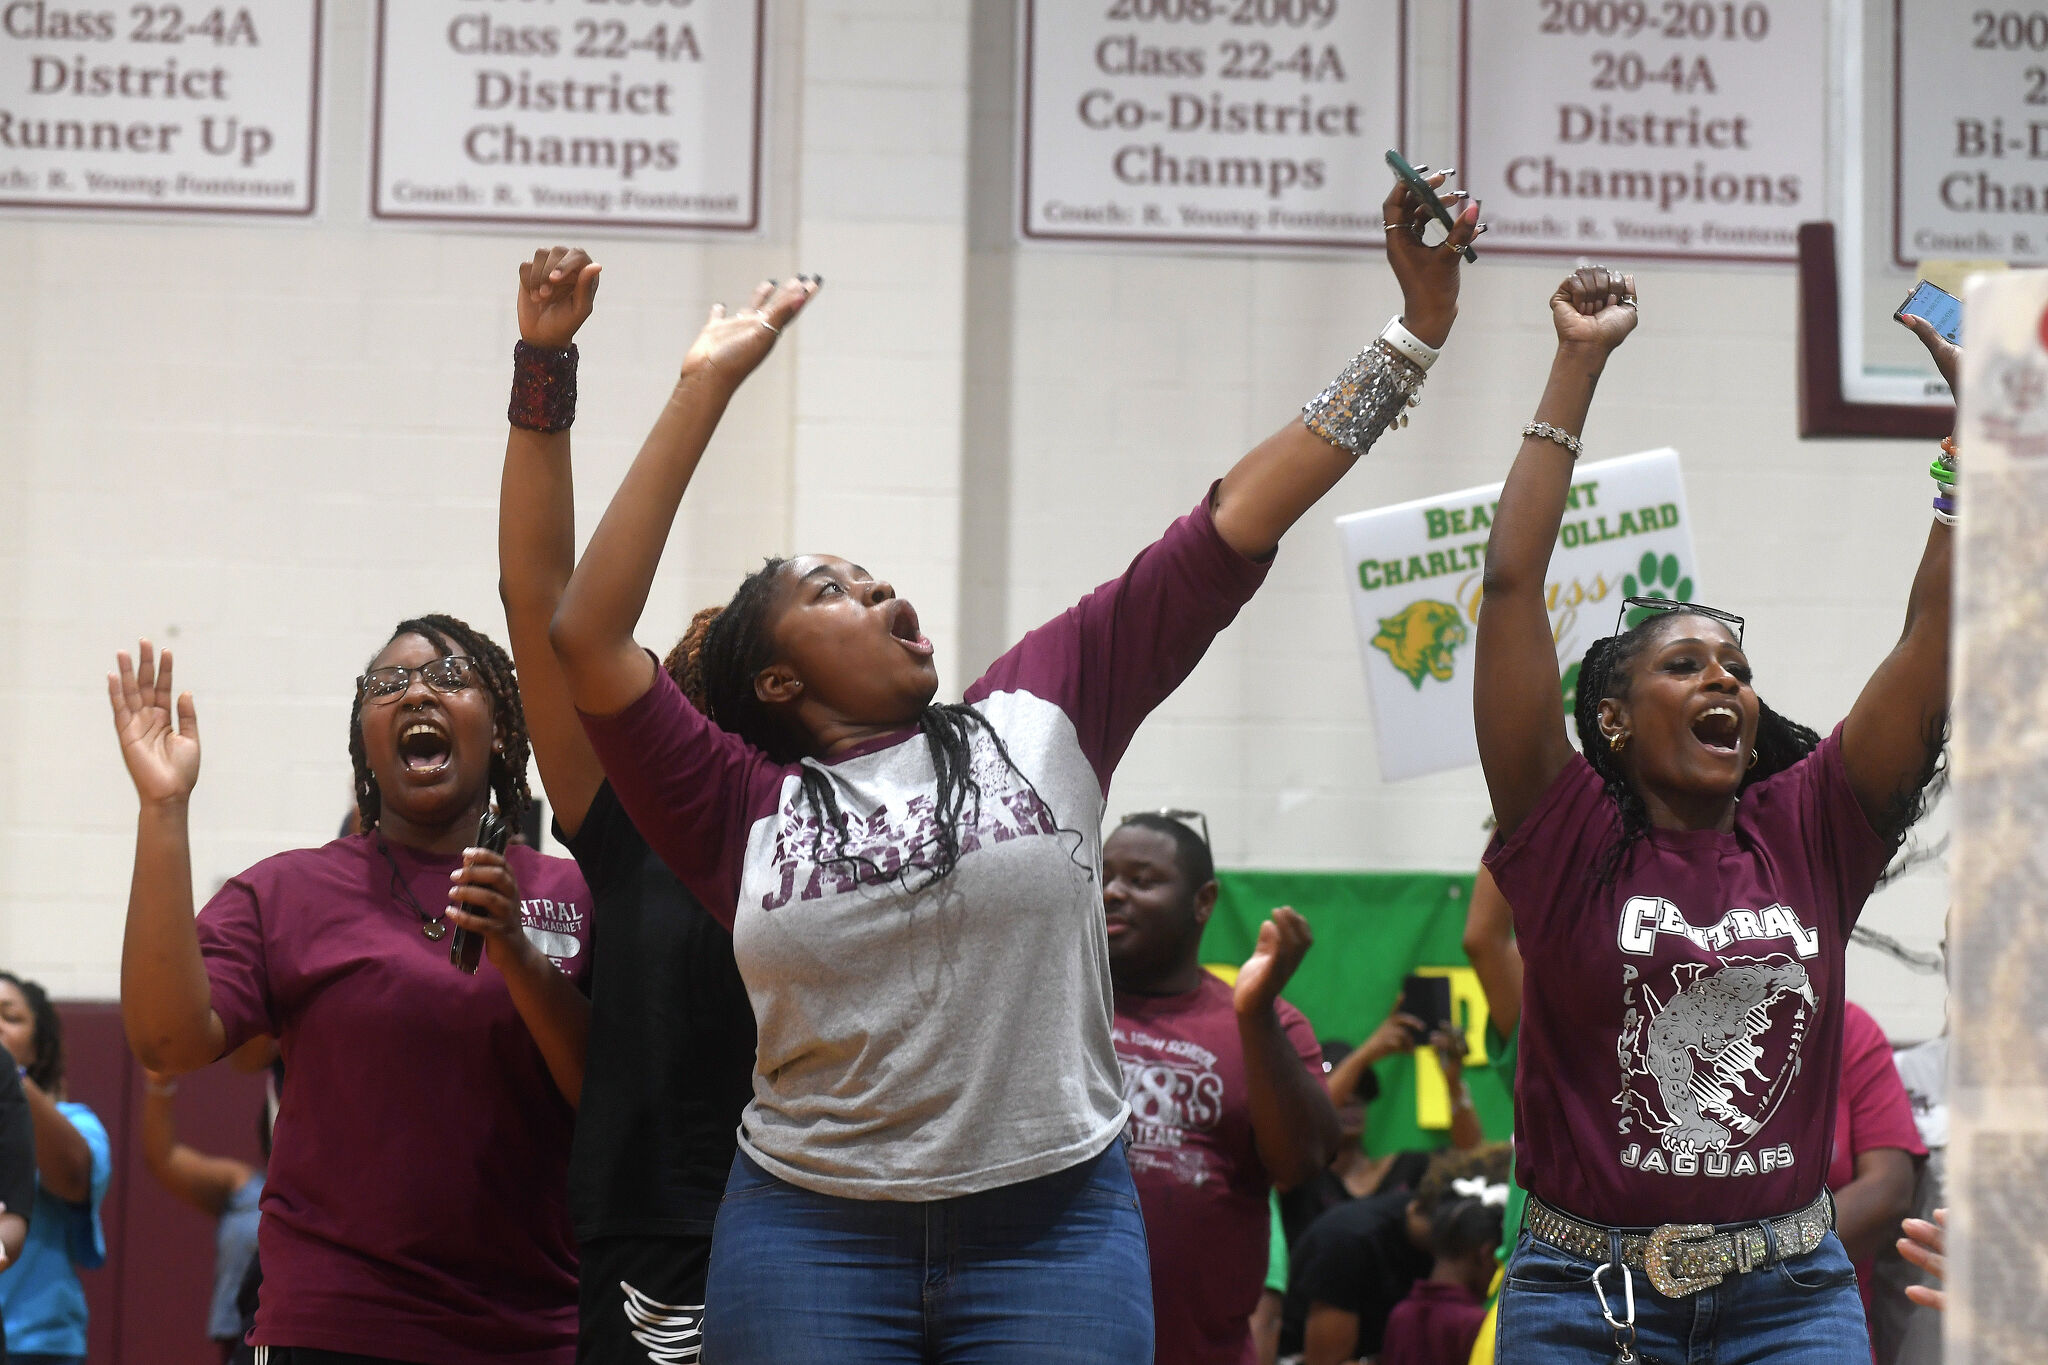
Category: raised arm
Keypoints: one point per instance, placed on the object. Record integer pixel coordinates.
(1894, 732)
(592, 632)
(1490, 948)
(537, 533)
(1293, 1122)
(205, 1182)
(1281, 478)
(1517, 705)
(166, 1000)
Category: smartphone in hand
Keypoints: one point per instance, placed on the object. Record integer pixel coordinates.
(1414, 180)
(466, 947)
(1427, 998)
(1938, 306)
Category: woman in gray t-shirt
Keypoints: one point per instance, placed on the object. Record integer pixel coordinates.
(929, 1164)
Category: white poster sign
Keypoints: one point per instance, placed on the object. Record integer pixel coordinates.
(1973, 133)
(1229, 122)
(1647, 129)
(161, 108)
(1414, 573)
(583, 113)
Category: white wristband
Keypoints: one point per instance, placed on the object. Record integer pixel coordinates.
(1406, 342)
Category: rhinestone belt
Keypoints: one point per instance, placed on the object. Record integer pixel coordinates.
(1683, 1258)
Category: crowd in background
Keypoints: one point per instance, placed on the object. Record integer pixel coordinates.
(853, 1019)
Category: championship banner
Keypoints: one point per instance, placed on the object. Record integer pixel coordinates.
(1651, 129)
(1415, 570)
(1972, 133)
(160, 108)
(1242, 123)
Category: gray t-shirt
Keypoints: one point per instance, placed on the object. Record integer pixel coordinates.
(937, 1041)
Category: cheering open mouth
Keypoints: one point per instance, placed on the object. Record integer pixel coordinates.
(1719, 728)
(424, 747)
(903, 625)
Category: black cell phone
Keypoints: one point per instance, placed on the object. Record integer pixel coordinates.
(1427, 998)
(1938, 306)
(465, 948)
(1413, 179)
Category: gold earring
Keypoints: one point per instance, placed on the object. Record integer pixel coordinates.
(1752, 756)
(1618, 741)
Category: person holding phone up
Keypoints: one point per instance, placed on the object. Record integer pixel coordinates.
(413, 1208)
(930, 1165)
(1683, 893)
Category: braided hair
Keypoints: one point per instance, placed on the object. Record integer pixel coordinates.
(494, 667)
(1607, 671)
(46, 1068)
(715, 665)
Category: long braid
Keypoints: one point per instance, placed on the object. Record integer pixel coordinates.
(494, 667)
(715, 664)
(1605, 673)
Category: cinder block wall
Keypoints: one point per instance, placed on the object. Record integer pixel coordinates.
(264, 445)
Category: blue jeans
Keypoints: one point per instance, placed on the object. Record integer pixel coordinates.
(1804, 1311)
(1052, 1269)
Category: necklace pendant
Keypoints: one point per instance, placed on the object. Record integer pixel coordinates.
(435, 930)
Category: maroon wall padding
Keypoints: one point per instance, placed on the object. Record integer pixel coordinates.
(149, 1301)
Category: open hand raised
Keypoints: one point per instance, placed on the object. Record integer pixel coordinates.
(732, 344)
(557, 289)
(1284, 940)
(1594, 307)
(162, 758)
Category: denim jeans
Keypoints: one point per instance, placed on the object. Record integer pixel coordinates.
(1052, 1269)
(1804, 1311)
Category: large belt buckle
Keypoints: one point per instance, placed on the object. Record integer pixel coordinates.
(1664, 1246)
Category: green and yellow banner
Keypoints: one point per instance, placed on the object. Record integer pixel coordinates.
(1372, 929)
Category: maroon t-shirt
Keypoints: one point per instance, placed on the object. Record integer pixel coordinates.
(1682, 1025)
(1436, 1324)
(1197, 1165)
(1872, 1111)
(415, 1205)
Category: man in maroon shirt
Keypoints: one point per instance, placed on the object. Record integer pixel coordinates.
(1224, 1085)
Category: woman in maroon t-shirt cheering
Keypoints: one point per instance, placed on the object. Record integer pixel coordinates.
(414, 1208)
(1683, 894)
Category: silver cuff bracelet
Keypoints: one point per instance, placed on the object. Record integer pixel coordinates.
(1365, 399)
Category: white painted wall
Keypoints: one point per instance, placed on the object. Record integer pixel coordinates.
(266, 444)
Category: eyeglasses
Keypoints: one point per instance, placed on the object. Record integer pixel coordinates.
(450, 673)
(1193, 819)
(1651, 606)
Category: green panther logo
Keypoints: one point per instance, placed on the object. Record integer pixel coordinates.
(1420, 639)
(1654, 577)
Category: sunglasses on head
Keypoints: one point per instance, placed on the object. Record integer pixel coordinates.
(1193, 819)
(1651, 606)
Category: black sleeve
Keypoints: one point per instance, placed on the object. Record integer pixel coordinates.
(605, 843)
(1329, 1270)
(17, 1145)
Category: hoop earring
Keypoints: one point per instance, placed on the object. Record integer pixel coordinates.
(1752, 756)
(1617, 741)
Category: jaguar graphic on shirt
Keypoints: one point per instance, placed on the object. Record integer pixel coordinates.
(1709, 1051)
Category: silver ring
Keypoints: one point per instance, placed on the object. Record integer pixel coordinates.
(1630, 302)
(762, 318)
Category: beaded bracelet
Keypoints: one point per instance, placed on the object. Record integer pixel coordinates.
(1547, 432)
(1371, 394)
(543, 388)
(1945, 470)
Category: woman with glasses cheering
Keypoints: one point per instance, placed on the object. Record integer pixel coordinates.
(414, 1206)
(1683, 893)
